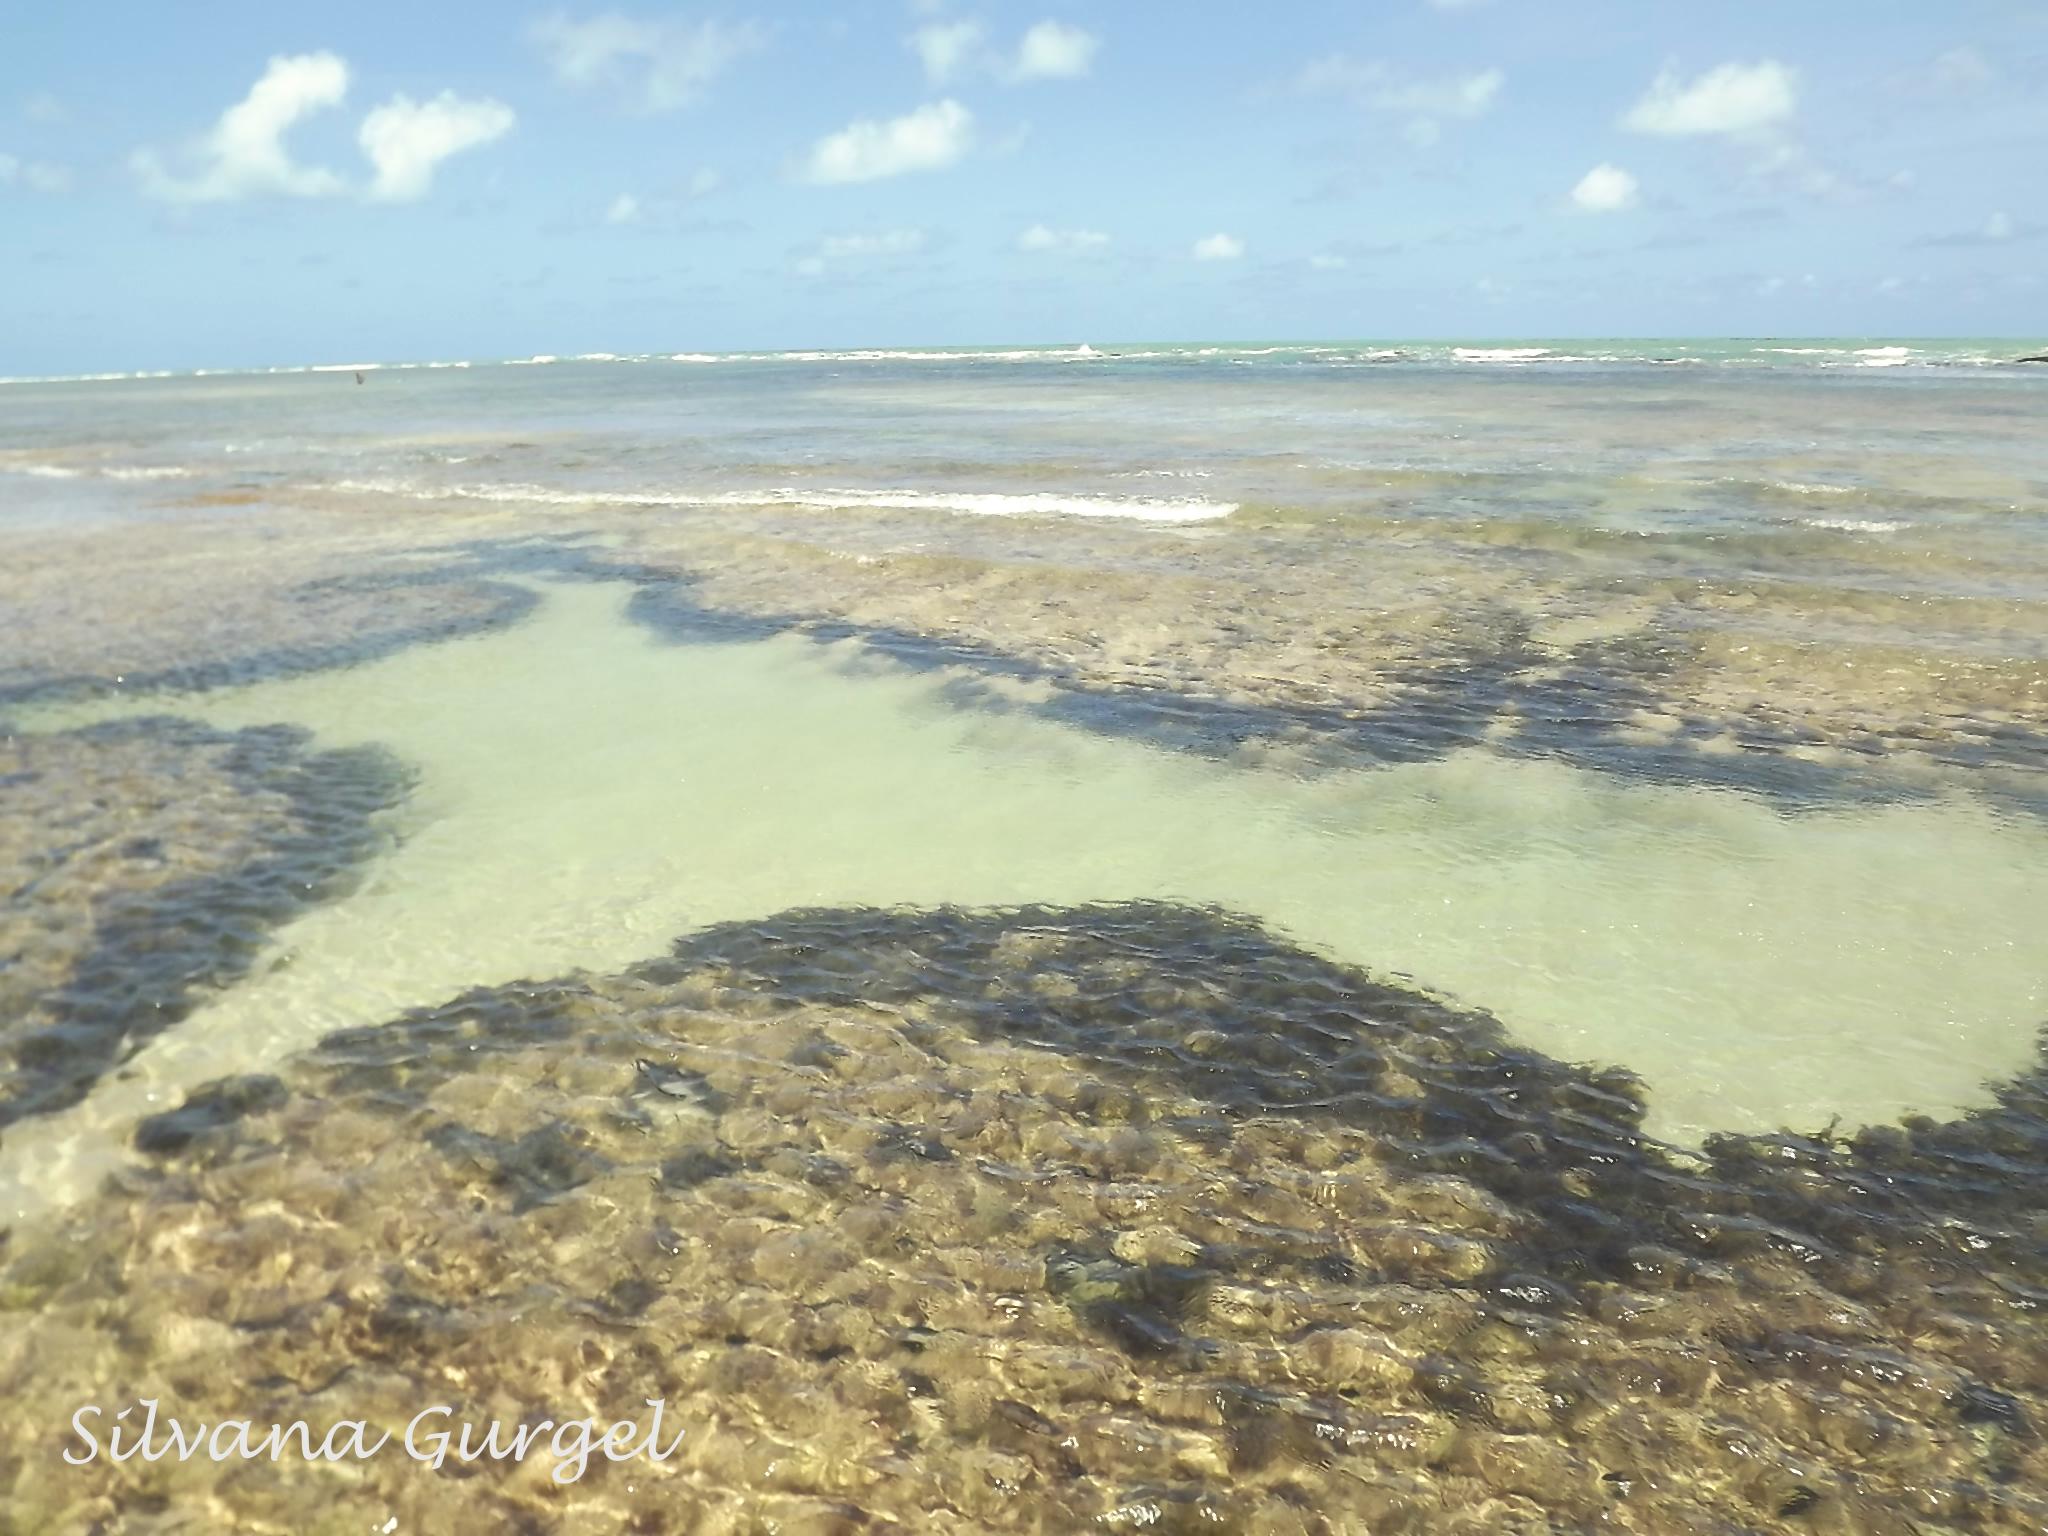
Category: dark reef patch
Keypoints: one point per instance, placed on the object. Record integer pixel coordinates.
(1487, 682)
(209, 1108)
(342, 618)
(1518, 698)
(142, 864)
(1125, 1216)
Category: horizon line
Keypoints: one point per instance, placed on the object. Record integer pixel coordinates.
(1077, 350)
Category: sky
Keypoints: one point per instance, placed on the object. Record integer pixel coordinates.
(223, 184)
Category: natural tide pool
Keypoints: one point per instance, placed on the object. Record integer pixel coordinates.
(1492, 987)
(586, 790)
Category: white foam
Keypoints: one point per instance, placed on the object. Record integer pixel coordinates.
(146, 472)
(1177, 509)
(46, 471)
(1810, 488)
(1316, 355)
(1857, 524)
(1082, 353)
(86, 378)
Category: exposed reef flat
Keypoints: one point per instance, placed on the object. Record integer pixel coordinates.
(193, 605)
(1127, 1217)
(142, 864)
(1382, 640)
(1355, 639)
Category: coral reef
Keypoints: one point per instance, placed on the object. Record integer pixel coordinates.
(142, 863)
(1129, 1217)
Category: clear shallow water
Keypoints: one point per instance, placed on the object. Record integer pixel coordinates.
(1554, 567)
(922, 908)
(587, 790)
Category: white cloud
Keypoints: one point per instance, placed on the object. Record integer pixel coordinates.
(1606, 189)
(1785, 162)
(2000, 228)
(245, 153)
(1425, 102)
(43, 107)
(1378, 85)
(1053, 50)
(1730, 99)
(1039, 237)
(1960, 69)
(667, 203)
(1323, 261)
(949, 51)
(1456, 96)
(36, 175)
(892, 242)
(839, 250)
(929, 139)
(945, 48)
(659, 65)
(406, 140)
(1218, 248)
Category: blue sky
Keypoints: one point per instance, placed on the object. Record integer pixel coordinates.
(243, 184)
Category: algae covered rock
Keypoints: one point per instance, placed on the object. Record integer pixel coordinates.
(142, 865)
(1125, 1217)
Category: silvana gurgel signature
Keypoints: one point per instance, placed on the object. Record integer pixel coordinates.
(432, 1437)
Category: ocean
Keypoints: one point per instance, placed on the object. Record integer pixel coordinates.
(1425, 936)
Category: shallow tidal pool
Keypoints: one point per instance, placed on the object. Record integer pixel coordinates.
(587, 789)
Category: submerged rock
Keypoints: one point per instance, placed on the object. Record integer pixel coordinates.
(142, 865)
(212, 1107)
(1121, 1217)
